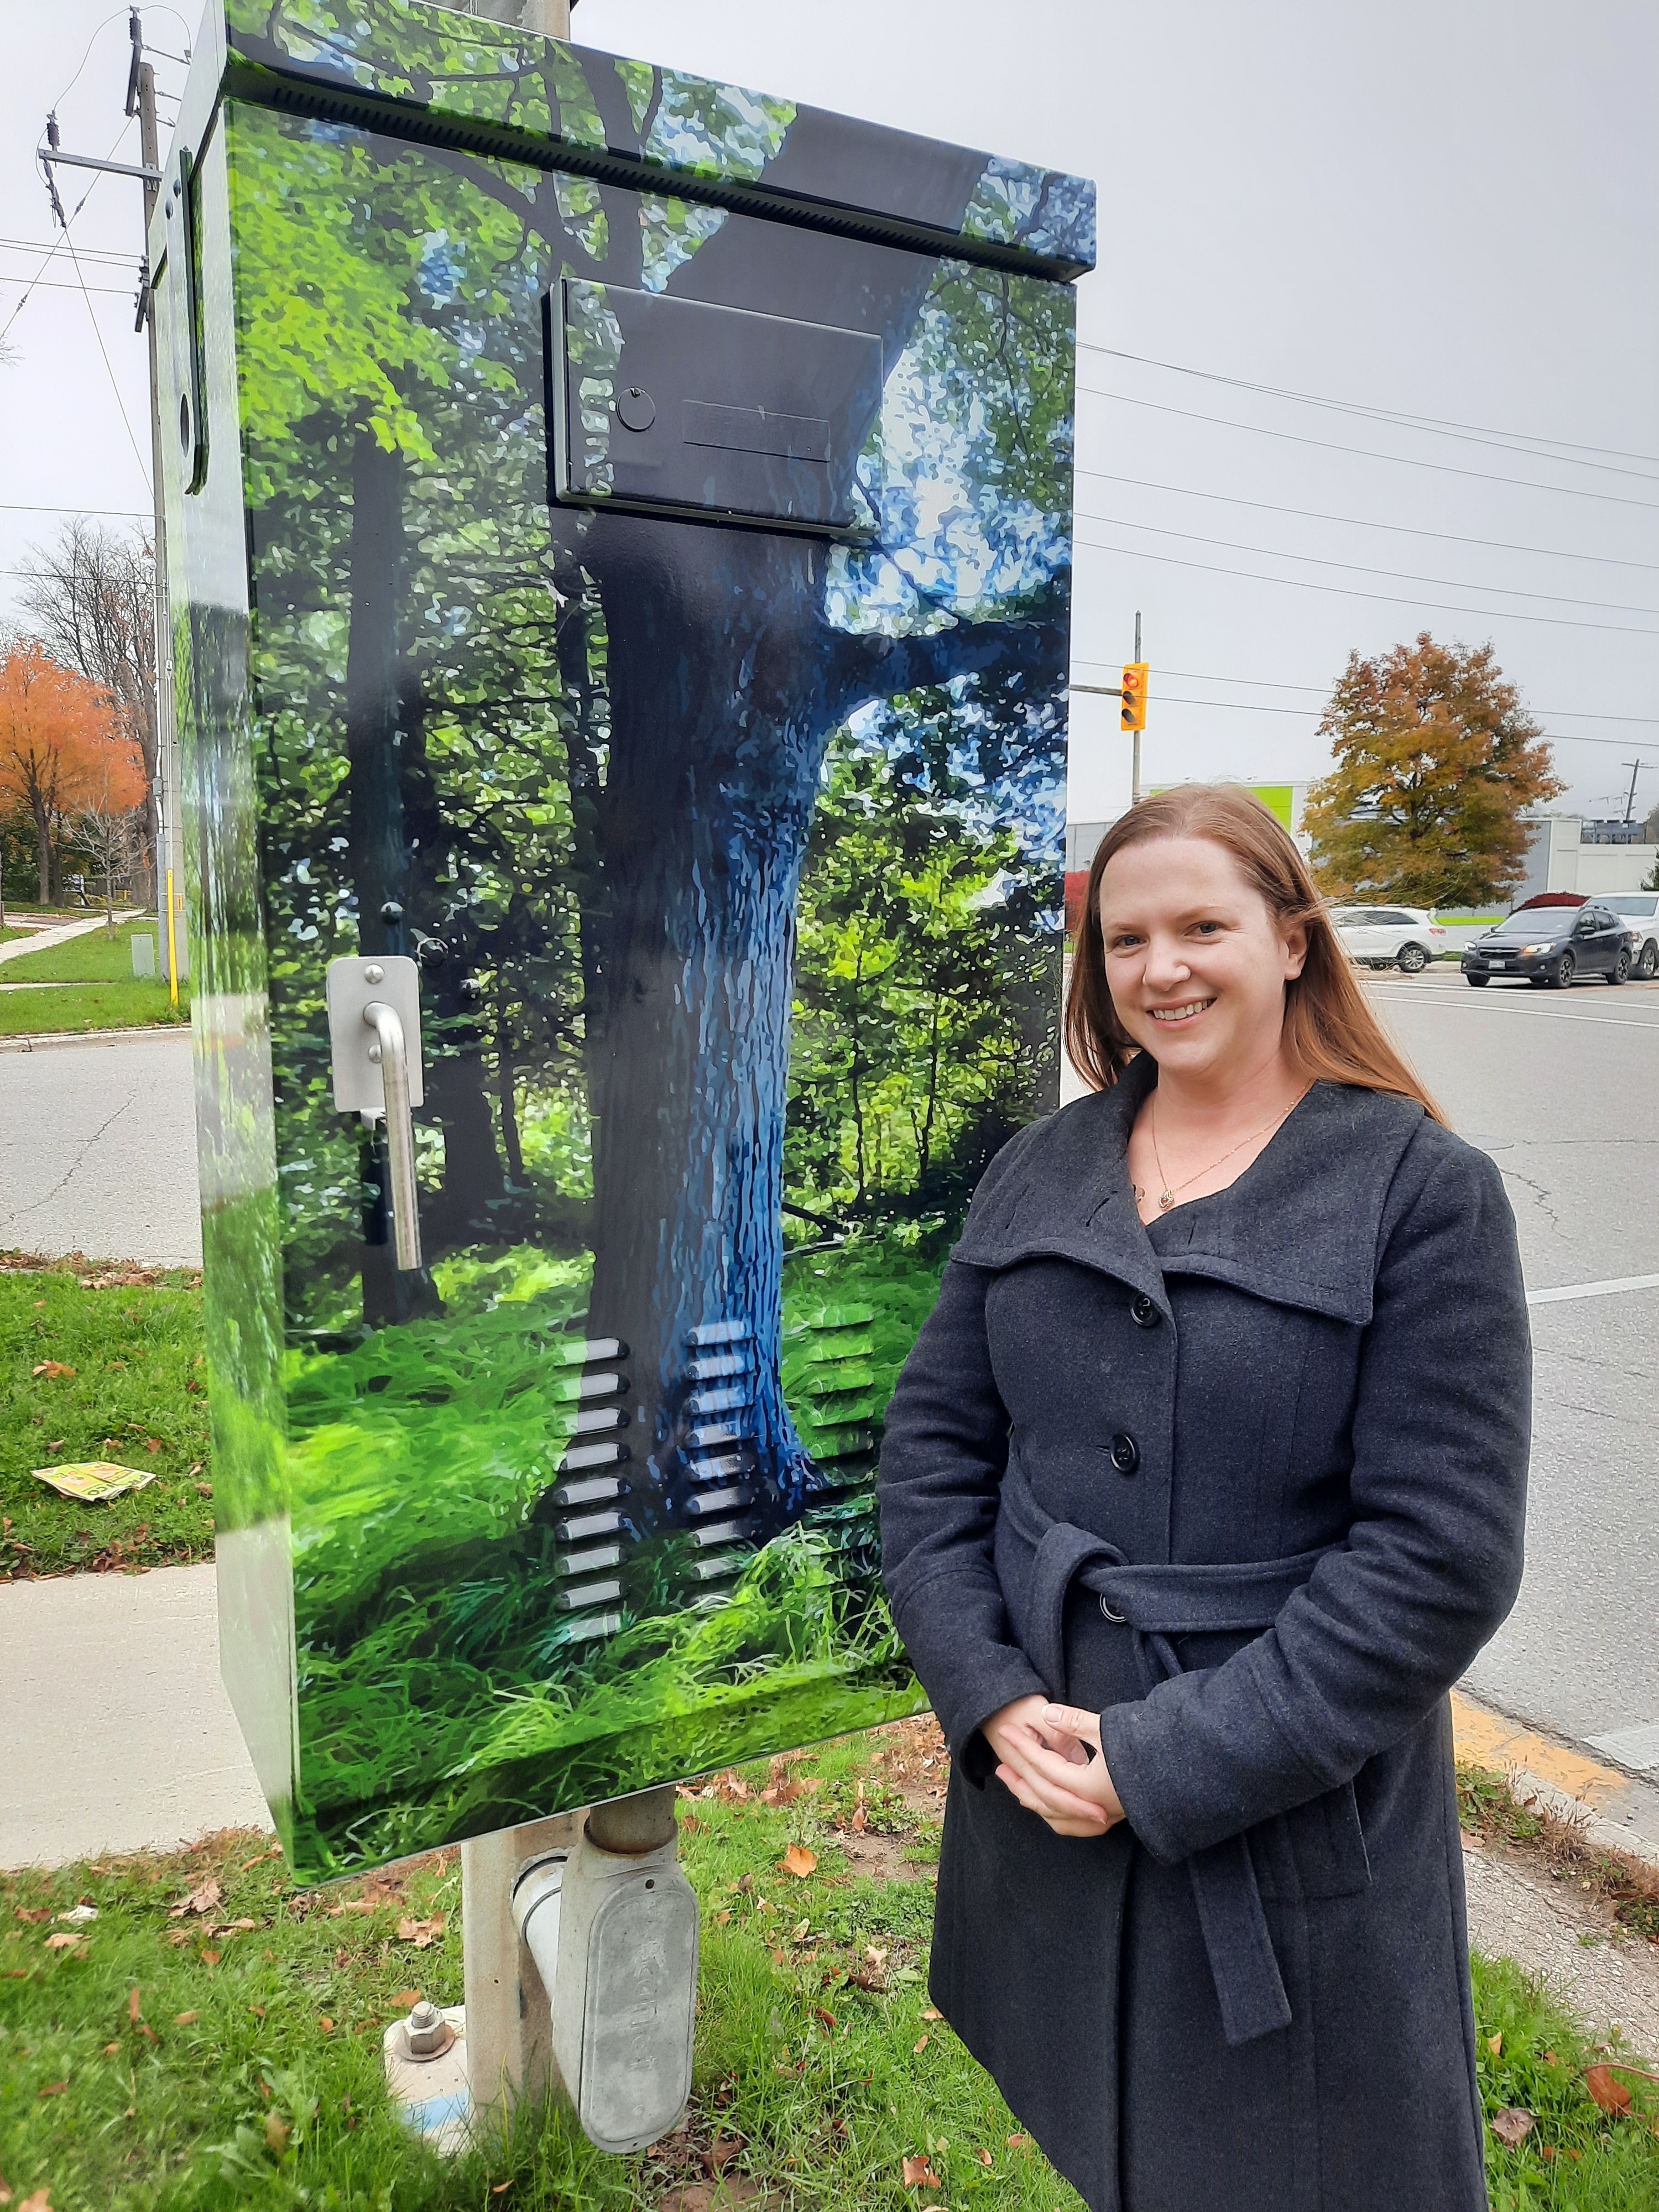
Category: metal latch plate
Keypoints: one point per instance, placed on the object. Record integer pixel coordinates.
(353, 985)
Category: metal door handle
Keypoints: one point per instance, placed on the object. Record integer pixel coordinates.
(392, 1052)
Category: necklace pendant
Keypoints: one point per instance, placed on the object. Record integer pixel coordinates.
(1165, 1200)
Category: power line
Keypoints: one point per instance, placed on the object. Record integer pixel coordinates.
(1384, 598)
(1369, 453)
(121, 404)
(38, 507)
(50, 247)
(51, 284)
(1432, 425)
(1363, 522)
(1323, 690)
(1365, 568)
(1316, 714)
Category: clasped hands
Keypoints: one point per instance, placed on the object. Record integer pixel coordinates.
(1050, 1757)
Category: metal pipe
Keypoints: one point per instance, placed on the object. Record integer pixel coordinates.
(628, 1826)
(392, 1054)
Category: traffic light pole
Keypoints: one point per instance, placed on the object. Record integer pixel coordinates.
(1134, 768)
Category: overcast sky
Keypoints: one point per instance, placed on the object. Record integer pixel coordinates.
(1443, 212)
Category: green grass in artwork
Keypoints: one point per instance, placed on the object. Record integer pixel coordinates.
(439, 1692)
(212, 2037)
(102, 1364)
(74, 1007)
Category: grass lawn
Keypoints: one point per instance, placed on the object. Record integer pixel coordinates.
(94, 958)
(212, 2039)
(86, 1007)
(103, 993)
(128, 1389)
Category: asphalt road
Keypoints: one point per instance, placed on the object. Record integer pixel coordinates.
(98, 1150)
(1562, 1088)
(96, 1155)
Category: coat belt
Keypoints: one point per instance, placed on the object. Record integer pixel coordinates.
(1154, 1603)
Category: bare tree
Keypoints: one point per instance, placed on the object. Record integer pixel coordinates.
(93, 600)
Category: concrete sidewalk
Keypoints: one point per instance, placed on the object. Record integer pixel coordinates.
(116, 1734)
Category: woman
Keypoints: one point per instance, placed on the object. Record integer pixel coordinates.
(1204, 1482)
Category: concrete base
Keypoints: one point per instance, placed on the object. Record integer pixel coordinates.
(511, 2060)
(435, 2097)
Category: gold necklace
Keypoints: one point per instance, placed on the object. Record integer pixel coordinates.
(1167, 1195)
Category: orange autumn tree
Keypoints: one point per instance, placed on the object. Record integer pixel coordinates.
(62, 748)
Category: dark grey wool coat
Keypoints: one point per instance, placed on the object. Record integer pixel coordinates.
(1250, 1484)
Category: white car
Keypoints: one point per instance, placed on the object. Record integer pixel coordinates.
(1639, 912)
(1403, 937)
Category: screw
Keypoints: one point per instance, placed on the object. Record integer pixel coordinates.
(373, 973)
(374, 1053)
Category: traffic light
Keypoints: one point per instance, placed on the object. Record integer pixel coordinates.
(1134, 695)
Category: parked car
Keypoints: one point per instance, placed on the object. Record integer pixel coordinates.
(1552, 944)
(1403, 937)
(1639, 911)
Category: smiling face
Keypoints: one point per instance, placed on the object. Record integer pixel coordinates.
(1196, 960)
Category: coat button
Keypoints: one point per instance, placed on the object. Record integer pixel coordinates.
(1126, 1453)
(1143, 1312)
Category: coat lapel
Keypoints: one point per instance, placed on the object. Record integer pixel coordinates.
(1299, 1227)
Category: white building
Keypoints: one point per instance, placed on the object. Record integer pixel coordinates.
(1566, 854)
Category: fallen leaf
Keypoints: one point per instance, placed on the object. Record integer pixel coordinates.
(859, 1819)
(63, 1940)
(931, 2012)
(798, 1861)
(186, 2018)
(1495, 2044)
(278, 2131)
(206, 1489)
(110, 2050)
(51, 1369)
(423, 1934)
(920, 2043)
(720, 1918)
(152, 1443)
(1607, 2090)
(405, 1998)
(54, 2089)
(918, 2174)
(1512, 2126)
(1017, 2142)
(211, 1957)
(57, 1443)
(201, 1900)
(133, 2006)
(326, 2023)
(876, 1954)
(40, 2202)
(984, 2158)
(828, 2018)
(722, 2151)
(33, 1913)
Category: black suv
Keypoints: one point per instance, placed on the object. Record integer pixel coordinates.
(1552, 944)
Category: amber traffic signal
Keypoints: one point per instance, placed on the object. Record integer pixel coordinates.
(1134, 695)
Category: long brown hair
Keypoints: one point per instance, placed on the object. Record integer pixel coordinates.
(1330, 1031)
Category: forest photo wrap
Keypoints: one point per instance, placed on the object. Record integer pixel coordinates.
(731, 861)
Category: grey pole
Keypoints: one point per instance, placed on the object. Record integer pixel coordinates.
(1134, 771)
(169, 854)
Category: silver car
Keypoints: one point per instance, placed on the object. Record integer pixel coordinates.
(1403, 937)
(1639, 911)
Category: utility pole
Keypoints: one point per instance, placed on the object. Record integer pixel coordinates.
(1630, 798)
(1134, 770)
(169, 854)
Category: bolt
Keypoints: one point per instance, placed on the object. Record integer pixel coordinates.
(426, 2032)
(373, 973)
(374, 1054)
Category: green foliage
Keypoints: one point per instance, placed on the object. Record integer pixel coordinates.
(1436, 760)
(922, 991)
(134, 1348)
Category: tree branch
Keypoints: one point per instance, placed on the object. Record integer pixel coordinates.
(866, 666)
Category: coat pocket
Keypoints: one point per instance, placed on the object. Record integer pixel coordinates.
(1318, 1849)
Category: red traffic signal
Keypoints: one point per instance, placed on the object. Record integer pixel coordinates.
(1134, 695)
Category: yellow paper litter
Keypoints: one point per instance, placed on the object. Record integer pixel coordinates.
(92, 1479)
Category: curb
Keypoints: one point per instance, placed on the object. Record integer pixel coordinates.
(1564, 1781)
(1534, 1795)
(56, 1039)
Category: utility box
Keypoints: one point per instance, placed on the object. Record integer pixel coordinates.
(620, 530)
